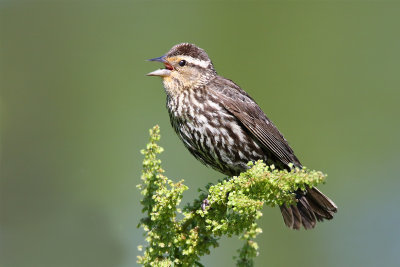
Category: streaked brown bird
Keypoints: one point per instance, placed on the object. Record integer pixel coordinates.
(224, 128)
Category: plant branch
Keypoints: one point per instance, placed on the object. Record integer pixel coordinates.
(228, 208)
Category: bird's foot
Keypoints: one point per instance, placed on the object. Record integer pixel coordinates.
(205, 204)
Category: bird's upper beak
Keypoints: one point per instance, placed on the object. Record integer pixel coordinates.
(161, 72)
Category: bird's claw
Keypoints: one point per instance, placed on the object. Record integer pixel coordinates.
(205, 204)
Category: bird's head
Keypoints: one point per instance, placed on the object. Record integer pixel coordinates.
(186, 66)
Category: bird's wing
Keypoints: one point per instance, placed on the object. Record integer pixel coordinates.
(246, 110)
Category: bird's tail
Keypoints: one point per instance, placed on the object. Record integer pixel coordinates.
(312, 206)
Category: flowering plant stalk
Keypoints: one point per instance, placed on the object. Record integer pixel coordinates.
(230, 207)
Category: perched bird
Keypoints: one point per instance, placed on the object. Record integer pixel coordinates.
(224, 128)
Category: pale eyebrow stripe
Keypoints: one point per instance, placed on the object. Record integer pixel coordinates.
(198, 62)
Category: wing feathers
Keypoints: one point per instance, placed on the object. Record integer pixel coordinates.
(246, 110)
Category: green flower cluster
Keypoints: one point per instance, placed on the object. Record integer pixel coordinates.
(230, 207)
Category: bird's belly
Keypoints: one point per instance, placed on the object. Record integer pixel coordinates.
(219, 141)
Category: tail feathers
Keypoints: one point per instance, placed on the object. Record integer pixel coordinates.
(312, 206)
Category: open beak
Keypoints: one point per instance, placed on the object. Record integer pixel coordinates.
(161, 72)
(159, 59)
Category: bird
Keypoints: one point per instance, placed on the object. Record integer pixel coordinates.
(224, 128)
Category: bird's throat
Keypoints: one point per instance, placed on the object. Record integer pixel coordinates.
(174, 86)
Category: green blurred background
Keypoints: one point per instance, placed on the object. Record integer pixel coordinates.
(76, 107)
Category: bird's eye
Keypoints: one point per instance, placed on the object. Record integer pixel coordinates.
(182, 63)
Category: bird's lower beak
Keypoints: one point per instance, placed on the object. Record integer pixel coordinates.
(161, 72)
